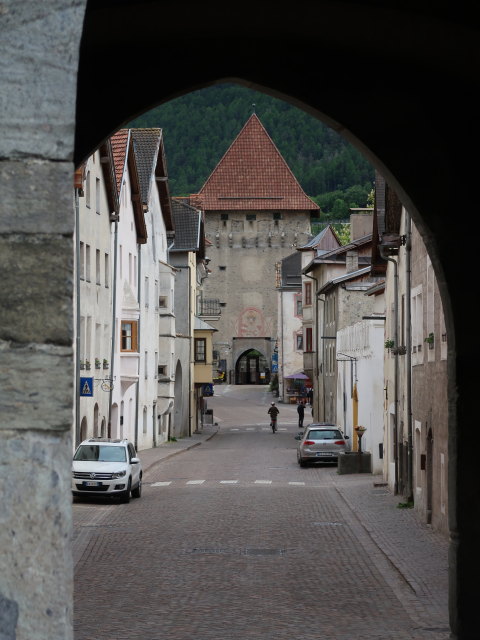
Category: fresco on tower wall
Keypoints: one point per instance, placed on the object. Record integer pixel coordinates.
(252, 323)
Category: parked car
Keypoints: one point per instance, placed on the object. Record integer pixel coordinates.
(106, 467)
(320, 442)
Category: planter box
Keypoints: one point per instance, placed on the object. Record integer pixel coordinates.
(354, 462)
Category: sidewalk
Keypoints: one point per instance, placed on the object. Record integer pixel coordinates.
(150, 457)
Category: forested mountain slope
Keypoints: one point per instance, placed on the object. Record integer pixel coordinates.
(199, 127)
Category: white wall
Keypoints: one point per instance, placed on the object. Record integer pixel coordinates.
(364, 342)
(95, 295)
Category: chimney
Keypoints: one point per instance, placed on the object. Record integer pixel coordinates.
(351, 261)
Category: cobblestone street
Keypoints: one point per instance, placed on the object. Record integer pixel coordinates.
(231, 539)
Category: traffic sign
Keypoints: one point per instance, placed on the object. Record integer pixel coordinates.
(86, 387)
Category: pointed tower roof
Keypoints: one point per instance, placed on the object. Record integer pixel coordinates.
(252, 175)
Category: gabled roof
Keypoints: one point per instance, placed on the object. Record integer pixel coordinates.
(339, 254)
(327, 239)
(119, 143)
(152, 168)
(353, 275)
(201, 325)
(146, 143)
(252, 175)
(188, 226)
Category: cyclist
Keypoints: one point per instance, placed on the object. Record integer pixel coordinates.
(273, 411)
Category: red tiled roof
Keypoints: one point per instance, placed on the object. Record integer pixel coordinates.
(119, 142)
(252, 175)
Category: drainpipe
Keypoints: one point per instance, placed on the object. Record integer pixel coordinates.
(316, 413)
(114, 322)
(408, 345)
(139, 337)
(77, 339)
(283, 351)
(396, 369)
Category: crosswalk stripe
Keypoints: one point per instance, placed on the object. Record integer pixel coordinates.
(195, 481)
(161, 484)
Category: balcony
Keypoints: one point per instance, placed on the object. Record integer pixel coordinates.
(208, 309)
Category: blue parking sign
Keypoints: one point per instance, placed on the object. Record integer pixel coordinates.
(86, 387)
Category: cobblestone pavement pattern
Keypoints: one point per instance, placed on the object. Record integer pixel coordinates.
(231, 540)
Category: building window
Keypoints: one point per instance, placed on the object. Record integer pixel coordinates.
(129, 335)
(97, 195)
(162, 370)
(251, 216)
(97, 266)
(87, 190)
(222, 267)
(277, 215)
(299, 341)
(162, 302)
(308, 294)
(308, 339)
(87, 262)
(298, 305)
(224, 216)
(200, 350)
(107, 271)
(82, 261)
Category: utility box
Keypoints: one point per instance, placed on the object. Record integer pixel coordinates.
(354, 462)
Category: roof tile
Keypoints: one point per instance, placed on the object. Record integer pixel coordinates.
(253, 175)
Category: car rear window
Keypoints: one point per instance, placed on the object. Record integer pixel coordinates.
(324, 434)
(100, 453)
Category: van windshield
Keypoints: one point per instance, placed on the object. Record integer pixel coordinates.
(100, 453)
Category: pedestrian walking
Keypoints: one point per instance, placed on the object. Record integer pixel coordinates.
(273, 412)
(301, 413)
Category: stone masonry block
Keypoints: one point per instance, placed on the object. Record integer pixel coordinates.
(37, 197)
(36, 567)
(36, 387)
(37, 289)
(38, 67)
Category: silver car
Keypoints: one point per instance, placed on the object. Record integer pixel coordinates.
(320, 443)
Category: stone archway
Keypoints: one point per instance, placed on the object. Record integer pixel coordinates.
(413, 91)
(251, 367)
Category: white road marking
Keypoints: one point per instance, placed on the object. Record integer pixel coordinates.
(228, 481)
(263, 482)
(300, 484)
(161, 484)
(195, 481)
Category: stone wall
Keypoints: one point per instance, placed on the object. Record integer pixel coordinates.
(38, 66)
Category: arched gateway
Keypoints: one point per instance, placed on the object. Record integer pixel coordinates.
(395, 81)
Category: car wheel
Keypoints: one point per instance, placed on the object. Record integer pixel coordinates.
(301, 461)
(137, 492)
(125, 499)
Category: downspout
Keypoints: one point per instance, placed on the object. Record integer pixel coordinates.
(281, 346)
(77, 338)
(408, 345)
(396, 369)
(316, 412)
(139, 340)
(114, 322)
